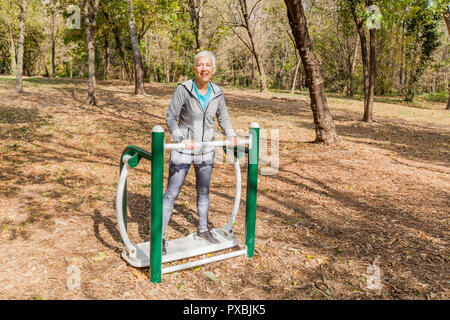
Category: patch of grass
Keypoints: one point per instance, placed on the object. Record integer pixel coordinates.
(10, 82)
(435, 97)
(7, 82)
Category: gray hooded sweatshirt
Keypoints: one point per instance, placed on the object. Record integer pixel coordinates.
(186, 118)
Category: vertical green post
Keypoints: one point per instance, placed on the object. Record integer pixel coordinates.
(124, 199)
(252, 183)
(156, 203)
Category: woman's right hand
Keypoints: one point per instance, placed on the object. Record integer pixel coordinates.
(188, 143)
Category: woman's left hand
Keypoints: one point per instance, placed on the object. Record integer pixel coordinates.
(233, 141)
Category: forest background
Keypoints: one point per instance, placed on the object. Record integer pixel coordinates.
(155, 41)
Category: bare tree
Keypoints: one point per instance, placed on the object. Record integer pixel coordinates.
(90, 9)
(297, 67)
(107, 55)
(53, 40)
(54, 31)
(345, 38)
(119, 47)
(12, 50)
(324, 126)
(137, 57)
(351, 70)
(447, 22)
(359, 22)
(20, 47)
(369, 66)
(368, 110)
(294, 81)
(51, 9)
(12, 42)
(244, 15)
(196, 12)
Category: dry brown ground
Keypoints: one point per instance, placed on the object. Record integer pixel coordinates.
(324, 220)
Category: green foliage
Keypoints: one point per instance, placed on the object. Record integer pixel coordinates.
(421, 26)
(441, 96)
(423, 39)
(409, 44)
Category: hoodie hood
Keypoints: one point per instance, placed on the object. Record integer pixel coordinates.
(190, 87)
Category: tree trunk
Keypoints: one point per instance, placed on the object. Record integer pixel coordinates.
(91, 65)
(364, 53)
(46, 74)
(262, 74)
(137, 58)
(252, 74)
(107, 56)
(166, 67)
(295, 75)
(20, 49)
(119, 47)
(149, 70)
(447, 22)
(53, 45)
(90, 17)
(409, 97)
(196, 12)
(122, 53)
(12, 51)
(300, 80)
(365, 63)
(352, 70)
(448, 101)
(324, 126)
(368, 110)
(53, 59)
(402, 53)
(412, 80)
(259, 64)
(4, 64)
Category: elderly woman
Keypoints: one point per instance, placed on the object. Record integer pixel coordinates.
(190, 119)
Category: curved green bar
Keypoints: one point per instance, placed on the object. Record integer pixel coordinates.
(252, 183)
(137, 154)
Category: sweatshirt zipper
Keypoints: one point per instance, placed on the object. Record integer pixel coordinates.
(204, 111)
(204, 114)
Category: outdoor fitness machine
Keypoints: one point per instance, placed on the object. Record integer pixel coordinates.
(149, 253)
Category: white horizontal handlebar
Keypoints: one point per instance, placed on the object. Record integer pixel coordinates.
(205, 144)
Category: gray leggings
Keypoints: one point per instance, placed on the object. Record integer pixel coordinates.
(179, 166)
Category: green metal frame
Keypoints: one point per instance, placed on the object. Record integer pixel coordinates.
(157, 166)
(157, 203)
(252, 184)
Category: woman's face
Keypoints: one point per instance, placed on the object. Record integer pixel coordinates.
(204, 69)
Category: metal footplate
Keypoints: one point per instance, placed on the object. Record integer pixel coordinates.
(182, 248)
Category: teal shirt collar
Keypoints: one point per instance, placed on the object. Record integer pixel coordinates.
(198, 93)
(203, 99)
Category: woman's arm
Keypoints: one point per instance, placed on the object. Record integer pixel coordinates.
(175, 106)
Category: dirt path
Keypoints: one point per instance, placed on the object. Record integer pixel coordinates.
(367, 219)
